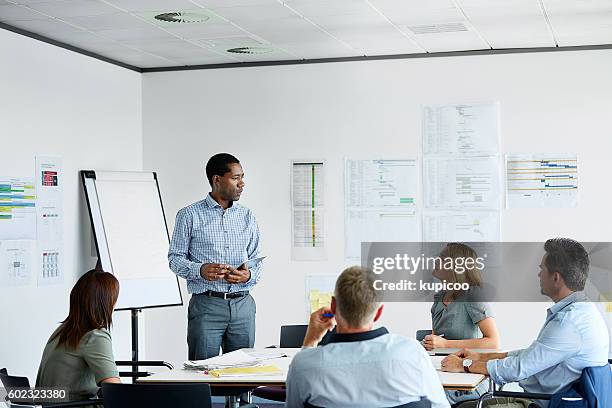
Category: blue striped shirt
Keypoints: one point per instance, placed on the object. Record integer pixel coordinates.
(206, 233)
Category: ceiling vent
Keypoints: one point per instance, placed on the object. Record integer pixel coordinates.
(438, 28)
(250, 50)
(182, 17)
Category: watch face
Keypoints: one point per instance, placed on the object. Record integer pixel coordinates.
(467, 362)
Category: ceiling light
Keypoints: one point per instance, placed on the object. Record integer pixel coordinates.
(250, 50)
(182, 17)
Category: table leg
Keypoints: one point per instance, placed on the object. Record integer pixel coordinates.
(232, 401)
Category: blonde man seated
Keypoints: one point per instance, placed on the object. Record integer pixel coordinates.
(360, 366)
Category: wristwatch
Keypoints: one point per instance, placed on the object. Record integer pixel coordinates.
(467, 363)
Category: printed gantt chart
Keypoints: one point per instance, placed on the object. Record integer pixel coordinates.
(17, 208)
(380, 203)
(541, 181)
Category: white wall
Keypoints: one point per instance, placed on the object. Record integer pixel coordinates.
(554, 102)
(89, 112)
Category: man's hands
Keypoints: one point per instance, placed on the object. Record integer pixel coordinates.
(240, 275)
(214, 271)
(431, 341)
(454, 363)
(318, 326)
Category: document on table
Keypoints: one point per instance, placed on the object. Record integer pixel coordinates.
(464, 129)
(541, 180)
(380, 203)
(308, 209)
(236, 358)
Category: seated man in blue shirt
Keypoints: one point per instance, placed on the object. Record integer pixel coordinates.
(360, 366)
(574, 335)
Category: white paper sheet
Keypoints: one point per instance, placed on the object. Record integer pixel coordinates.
(461, 226)
(380, 203)
(17, 208)
(308, 210)
(381, 183)
(470, 183)
(541, 180)
(464, 129)
(49, 215)
(17, 261)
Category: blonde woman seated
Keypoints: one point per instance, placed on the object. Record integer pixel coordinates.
(459, 319)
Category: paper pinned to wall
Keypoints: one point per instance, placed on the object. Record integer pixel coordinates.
(17, 208)
(541, 180)
(50, 219)
(469, 183)
(461, 226)
(308, 210)
(380, 203)
(319, 290)
(468, 128)
(17, 261)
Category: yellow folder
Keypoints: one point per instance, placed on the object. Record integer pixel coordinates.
(240, 371)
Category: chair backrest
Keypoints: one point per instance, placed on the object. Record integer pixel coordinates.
(420, 334)
(12, 381)
(292, 336)
(156, 395)
(423, 403)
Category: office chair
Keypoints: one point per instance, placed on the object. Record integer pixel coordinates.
(420, 334)
(291, 336)
(578, 389)
(194, 395)
(423, 403)
(10, 382)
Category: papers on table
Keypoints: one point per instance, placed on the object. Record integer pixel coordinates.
(237, 363)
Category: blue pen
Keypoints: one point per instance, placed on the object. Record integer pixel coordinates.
(327, 315)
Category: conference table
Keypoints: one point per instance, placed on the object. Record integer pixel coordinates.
(281, 358)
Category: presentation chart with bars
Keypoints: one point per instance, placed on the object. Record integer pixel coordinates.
(541, 181)
(17, 208)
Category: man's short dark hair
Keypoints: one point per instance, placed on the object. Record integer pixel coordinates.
(570, 259)
(218, 165)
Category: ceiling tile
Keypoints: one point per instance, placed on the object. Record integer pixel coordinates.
(108, 22)
(43, 27)
(591, 38)
(81, 38)
(153, 5)
(220, 59)
(196, 31)
(232, 3)
(13, 12)
(73, 8)
(311, 8)
(169, 48)
(142, 33)
(444, 42)
(266, 12)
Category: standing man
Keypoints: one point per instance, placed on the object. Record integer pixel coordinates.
(213, 238)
